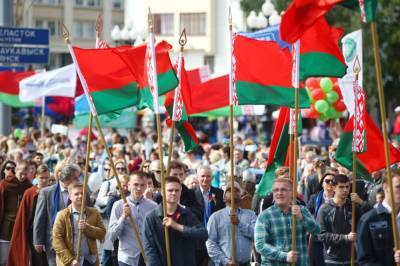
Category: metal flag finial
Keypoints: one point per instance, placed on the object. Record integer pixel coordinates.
(65, 32)
(99, 25)
(183, 38)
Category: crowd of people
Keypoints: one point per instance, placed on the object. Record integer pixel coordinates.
(42, 192)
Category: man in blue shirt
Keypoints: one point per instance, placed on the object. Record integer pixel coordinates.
(273, 231)
(219, 243)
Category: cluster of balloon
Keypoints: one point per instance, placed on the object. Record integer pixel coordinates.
(326, 98)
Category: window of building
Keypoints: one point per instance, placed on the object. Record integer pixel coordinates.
(78, 29)
(49, 2)
(88, 3)
(164, 24)
(117, 4)
(194, 23)
(39, 23)
(209, 60)
(84, 29)
(52, 25)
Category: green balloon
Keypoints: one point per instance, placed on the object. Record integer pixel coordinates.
(332, 96)
(330, 113)
(321, 106)
(323, 117)
(18, 133)
(326, 84)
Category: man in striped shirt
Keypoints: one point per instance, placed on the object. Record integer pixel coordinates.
(273, 231)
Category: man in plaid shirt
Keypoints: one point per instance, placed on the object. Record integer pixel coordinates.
(273, 231)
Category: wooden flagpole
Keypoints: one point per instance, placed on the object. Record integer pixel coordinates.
(99, 29)
(356, 70)
(94, 113)
(182, 43)
(231, 142)
(293, 165)
(378, 73)
(159, 137)
(85, 181)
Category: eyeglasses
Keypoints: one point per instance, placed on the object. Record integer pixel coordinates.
(107, 169)
(10, 168)
(280, 190)
(328, 181)
(120, 169)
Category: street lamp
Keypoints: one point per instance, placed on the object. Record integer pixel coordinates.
(129, 35)
(268, 16)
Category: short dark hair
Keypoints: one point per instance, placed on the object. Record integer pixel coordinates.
(139, 174)
(177, 165)
(339, 178)
(38, 154)
(172, 179)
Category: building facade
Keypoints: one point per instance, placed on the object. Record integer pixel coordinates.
(205, 21)
(79, 16)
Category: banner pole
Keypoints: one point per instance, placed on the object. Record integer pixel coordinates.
(378, 73)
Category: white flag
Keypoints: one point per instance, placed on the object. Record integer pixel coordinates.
(352, 48)
(57, 82)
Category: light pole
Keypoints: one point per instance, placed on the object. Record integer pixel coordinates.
(267, 17)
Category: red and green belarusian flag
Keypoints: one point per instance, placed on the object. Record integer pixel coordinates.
(135, 58)
(320, 54)
(263, 74)
(278, 152)
(373, 159)
(110, 83)
(176, 110)
(9, 88)
(302, 14)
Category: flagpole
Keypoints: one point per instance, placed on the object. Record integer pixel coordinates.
(103, 141)
(85, 182)
(294, 129)
(99, 27)
(353, 206)
(182, 43)
(378, 73)
(356, 70)
(157, 113)
(231, 142)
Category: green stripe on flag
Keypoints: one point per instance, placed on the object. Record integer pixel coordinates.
(220, 112)
(370, 7)
(329, 65)
(267, 180)
(166, 81)
(256, 94)
(13, 100)
(126, 119)
(115, 99)
(344, 155)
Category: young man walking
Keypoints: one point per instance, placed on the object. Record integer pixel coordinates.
(66, 229)
(183, 227)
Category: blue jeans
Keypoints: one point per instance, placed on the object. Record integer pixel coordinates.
(106, 258)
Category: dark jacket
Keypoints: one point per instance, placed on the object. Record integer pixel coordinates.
(216, 204)
(337, 247)
(188, 199)
(375, 238)
(182, 245)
